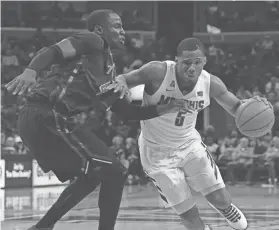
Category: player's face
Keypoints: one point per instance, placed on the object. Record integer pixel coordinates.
(114, 32)
(190, 64)
(244, 143)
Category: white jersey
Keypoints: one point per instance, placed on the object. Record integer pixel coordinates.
(175, 130)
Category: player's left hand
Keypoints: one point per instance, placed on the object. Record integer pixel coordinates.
(22, 83)
(264, 100)
(258, 98)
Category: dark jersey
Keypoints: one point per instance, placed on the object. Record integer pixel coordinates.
(71, 85)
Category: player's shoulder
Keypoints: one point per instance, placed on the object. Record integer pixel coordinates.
(214, 80)
(217, 86)
(156, 65)
(156, 68)
(89, 38)
(86, 35)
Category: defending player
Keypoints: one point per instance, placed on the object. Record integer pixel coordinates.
(47, 122)
(171, 149)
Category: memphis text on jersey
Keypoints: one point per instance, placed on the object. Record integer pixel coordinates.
(193, 105)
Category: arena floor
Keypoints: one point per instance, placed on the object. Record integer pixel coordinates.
(141, 209)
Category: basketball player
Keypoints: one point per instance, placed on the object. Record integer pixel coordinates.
(172, 152)
(47, 122)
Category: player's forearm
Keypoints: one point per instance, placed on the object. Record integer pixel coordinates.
(136, 77)
(127, 111)
(44, 59)
(163, 109)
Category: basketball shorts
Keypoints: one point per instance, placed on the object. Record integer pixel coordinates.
(67, 153)
(175, 173)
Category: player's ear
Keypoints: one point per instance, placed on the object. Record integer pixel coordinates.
(205, 60)
(98, 30)
(176, 59)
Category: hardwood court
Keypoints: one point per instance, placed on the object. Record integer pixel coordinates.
(141, 209)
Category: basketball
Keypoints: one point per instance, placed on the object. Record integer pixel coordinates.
(254, 118)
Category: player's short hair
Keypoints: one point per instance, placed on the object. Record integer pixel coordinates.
(98, 17)
(190, 44)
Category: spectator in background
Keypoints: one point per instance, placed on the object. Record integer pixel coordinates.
(4, 42)
(20, 147)
(3, 140)
(117, 144)
(272, 97)
(131, 146)
(121, 155)
(39, 40)
(241, 160)
(210, 132)
(271, 157)
(226, 148)
(123, 130)
(9, 58)
(70, 11)
(233, 139)
(214, 15)
(272, 85)
(32, 52)
(256, 91)
(212, 147)
(266, 43)
(134, 160)
(261, 146)
(9, 148)
(55, 13)
(242, 93)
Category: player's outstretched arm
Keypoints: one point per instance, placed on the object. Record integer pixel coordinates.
(67, 48)
(141, 76)
(225, 98)
(146, 75)
(70, 47)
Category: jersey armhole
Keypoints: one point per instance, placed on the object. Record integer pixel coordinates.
(148, 88)
(209, 92)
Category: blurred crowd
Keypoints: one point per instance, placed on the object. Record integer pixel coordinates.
(225, 16)
(232, 16)
(245, 159)
(247, 69)
(135, 16)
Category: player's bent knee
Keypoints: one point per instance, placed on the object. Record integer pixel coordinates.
(220, 198)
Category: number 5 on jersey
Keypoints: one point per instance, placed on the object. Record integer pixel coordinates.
(179, 120)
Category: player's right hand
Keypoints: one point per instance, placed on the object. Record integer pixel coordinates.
(22, 83)
(121, 86)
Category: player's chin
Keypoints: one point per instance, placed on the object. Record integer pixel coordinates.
(121, 44)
